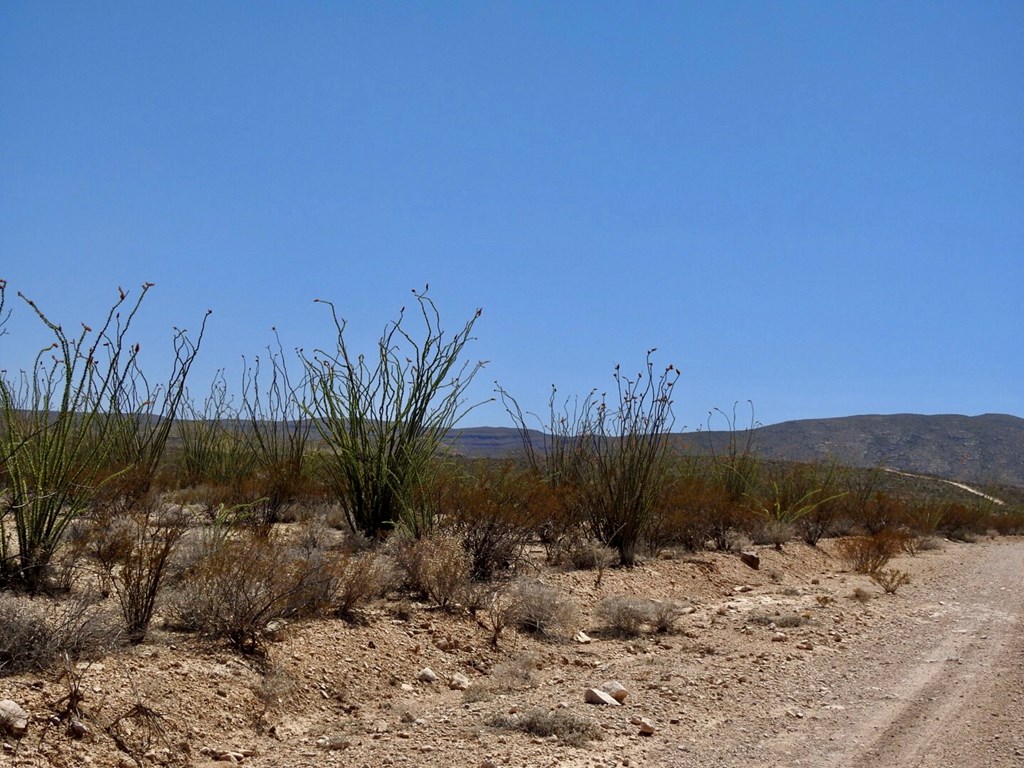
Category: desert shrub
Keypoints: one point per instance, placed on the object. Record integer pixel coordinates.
(855, 510)
(383, 417)
(149, 539)
(629, 616)
(922, 518)
(779, 619)
(570, 728)
(358, 579)
(882, 512)
(493, 507)
(587, 554)
(964, 522)
(610, 456)
(867, 554)
(239, 583)
(66, 422)
(687, 510)
(36, 634)
(788, 494)
(541, 609)
(437, 567)
(623, 615)
(1007, 521)
(890, 579)
(518, 671)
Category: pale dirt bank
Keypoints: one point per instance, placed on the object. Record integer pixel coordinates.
(930, 676)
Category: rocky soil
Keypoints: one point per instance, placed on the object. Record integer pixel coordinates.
(797, 663)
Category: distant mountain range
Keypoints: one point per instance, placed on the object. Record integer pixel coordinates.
(987, 449)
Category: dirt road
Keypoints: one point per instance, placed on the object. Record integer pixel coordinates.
(935, 679)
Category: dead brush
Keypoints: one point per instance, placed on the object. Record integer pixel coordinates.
(36, 634)
(867, 554)
(570, 729)
(629, 616)
(541, 609)
(890, 579)
(438, 567)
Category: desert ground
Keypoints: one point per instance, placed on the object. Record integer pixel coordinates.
(797, 663)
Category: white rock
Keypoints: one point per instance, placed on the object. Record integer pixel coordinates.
(427, 675)
(459, 682)
(597, 696)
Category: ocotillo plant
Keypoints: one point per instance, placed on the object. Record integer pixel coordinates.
(383, 418)
(58, 436)
(276, 433)
(611, 456)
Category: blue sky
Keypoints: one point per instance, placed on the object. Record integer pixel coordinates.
(813, 206)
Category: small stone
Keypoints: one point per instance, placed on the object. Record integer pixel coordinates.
(582, 637)
(780, 637)
(78, 729)
(380, 726)
(805, 645)
(616, 690)
(333, 742)
(597, 696)
(751, 559)
(427, 675)
(459, 682)
(646, 727)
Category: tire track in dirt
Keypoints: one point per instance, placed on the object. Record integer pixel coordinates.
(946, 687)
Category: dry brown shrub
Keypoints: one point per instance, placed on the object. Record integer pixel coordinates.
(890, 579)
(542, 609)
(37, 633)
(867, 554)
(631, 616)
(492, 507)
(586, 554)
(360, 578)
(239, 583)
(570, 729)
(438, 567)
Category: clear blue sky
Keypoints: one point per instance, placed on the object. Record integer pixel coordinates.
(815, 206)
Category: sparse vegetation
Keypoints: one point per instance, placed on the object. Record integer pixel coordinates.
(542, 609)
(868, 554)
(632, 616)
(570, 728)
(890, 579)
